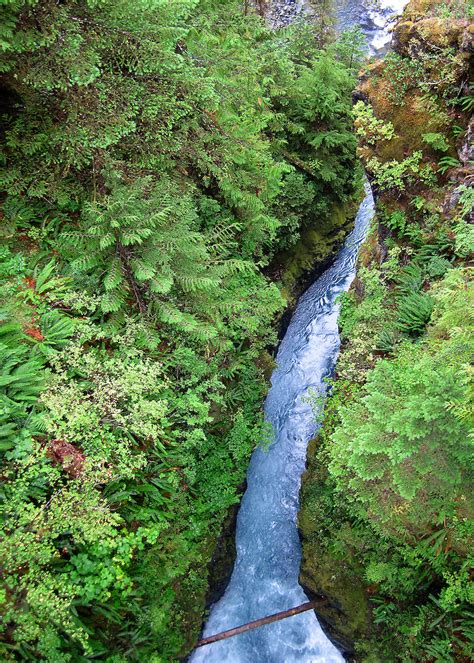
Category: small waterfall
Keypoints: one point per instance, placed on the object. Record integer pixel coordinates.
(373, 17)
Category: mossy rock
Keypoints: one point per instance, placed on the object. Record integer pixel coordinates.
(347, 616)
(418, 8)
(403, 34)
(426, 33)
(314, 250)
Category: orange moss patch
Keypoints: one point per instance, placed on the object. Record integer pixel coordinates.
(32, 330)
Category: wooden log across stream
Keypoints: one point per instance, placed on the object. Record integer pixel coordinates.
(310, 605)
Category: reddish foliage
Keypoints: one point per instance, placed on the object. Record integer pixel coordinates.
(30, 282)
(32, 328)
(34, 332)
(66, 455)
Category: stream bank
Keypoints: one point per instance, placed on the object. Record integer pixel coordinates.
(296, 268)
(299, 266)
(381, 606)
(265, 575)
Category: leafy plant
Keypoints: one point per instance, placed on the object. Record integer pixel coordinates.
(466, 103)
(414, 312)
(387, 340)
(403, 74)
(436, 141)
(457, 131)
(368, 127)
(446, 163)
(21, 381)
(410, 279)
(395, 174)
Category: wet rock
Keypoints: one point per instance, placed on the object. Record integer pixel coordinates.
(313, 253)
(222, 561)
(452, 200)
(358, 95)
(283, 12)
(466, 151)
(346, 617)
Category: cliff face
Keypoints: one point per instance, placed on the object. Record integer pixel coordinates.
(418, 89)
(384, 536)
(314, 251)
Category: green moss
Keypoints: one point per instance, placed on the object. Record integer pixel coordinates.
(347, 615)
(201, 585)
(315, 248)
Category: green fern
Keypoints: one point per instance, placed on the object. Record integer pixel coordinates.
(436, 266)
(446, 163)
(410, 279)
(414, 313)
(21, 380)
(57, 330)
(387, 340)
(144, 241)
(466, 103)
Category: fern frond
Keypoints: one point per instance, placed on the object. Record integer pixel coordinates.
(112, 301)
(114, 276)
(414, 312)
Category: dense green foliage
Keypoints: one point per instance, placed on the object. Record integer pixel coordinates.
(151, 153)
(391, 501)
(397, 444)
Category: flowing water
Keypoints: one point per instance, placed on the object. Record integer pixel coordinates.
(373, 17)
(265, 575)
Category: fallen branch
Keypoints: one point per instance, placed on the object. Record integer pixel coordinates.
(261, 622)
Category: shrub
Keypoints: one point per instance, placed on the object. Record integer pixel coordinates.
(436, 141)
(370, 128)
(400, 174)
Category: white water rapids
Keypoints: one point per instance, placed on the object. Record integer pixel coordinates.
(265, 575)
(373, 17)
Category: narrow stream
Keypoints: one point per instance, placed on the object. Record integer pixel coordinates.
(265, 575)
